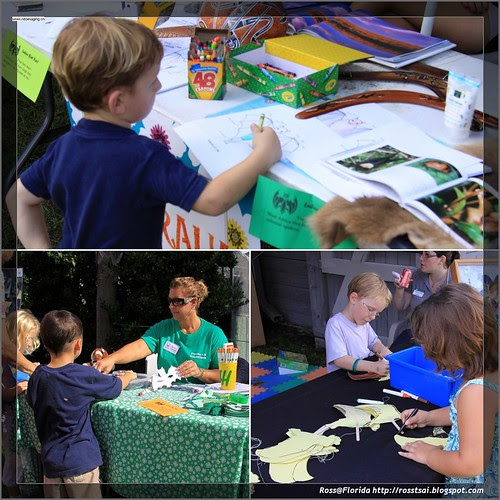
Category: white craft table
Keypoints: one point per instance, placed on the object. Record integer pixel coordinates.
(173, 107)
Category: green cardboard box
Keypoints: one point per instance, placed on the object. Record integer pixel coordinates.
(292, 361)
(309, 85)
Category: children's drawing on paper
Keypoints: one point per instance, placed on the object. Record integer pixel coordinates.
(345, 123)
(238, 129)
(173, 67)
(375, 160)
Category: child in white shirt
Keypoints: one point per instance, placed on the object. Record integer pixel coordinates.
(349, 337)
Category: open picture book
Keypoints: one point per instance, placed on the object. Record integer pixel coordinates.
(389, 44)
(434, 190)
(355, 152)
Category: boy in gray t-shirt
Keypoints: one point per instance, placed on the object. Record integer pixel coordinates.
(349, 337)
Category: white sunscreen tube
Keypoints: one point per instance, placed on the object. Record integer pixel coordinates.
(460, 104)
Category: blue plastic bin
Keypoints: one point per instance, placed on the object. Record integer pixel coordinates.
(411, 371)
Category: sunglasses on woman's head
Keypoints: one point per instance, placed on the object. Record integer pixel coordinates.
(178, 301)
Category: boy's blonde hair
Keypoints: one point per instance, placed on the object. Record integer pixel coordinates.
(369, 285)
(19, 324)
(93, 55)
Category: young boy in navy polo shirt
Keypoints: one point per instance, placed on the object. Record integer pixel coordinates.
(60, 394)
(110, 183)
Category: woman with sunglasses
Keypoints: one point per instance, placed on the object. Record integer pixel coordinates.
(434, 274)
(185, 341)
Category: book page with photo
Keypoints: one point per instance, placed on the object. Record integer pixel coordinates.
(402, 162)
(466, 210)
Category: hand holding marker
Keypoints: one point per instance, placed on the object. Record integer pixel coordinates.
(261, 120)
(412, 414)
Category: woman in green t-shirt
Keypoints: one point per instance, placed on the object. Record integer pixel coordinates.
(186, 341)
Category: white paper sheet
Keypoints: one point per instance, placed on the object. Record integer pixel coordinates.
(221, 142)
(173, 68)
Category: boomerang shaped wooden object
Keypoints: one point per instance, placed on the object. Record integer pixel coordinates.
(400, 96)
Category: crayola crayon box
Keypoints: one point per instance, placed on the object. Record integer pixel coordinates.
(294, 70)
(206, 64)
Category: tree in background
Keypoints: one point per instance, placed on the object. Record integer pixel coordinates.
(132, 288)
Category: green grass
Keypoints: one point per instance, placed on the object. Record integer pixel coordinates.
(28, 116)
(292, 338)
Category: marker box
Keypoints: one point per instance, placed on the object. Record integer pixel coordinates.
(207, 78)
(313, 60)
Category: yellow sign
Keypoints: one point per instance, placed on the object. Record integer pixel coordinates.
(23, 66)
(162, 407)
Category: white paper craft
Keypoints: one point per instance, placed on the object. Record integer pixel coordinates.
(165, 379)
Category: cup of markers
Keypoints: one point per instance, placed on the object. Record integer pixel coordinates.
(228, 364)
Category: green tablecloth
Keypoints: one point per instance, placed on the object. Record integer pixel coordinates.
(140, 446)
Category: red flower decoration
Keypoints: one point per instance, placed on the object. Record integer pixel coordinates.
(158, 134)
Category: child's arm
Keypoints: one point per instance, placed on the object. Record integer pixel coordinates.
(380, 350)
(435, 418)
(233, 184)
(128, 353)
(346, 362)
(127, 377)
(27, 216)
(469, 460)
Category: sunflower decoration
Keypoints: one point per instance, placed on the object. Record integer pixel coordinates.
(158, 134)
(236, 238)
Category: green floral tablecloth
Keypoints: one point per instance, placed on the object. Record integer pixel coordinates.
(140, 446)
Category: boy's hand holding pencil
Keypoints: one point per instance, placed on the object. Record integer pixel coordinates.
(266, 144)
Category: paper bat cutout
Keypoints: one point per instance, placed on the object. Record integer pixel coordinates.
(401, 440)
(165, 379)
(288, 459)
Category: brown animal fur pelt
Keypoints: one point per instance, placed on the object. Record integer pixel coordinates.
(373, 222)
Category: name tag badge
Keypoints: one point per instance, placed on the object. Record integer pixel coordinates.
(418, 293)
(171, 347)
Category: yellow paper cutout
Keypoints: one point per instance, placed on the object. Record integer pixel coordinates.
(401, 440)
(354, 417)
(382, 414)
(162, 407)
(254, 478)
(300, 471)
(288, 459)
(290, 473)
(282, 473)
